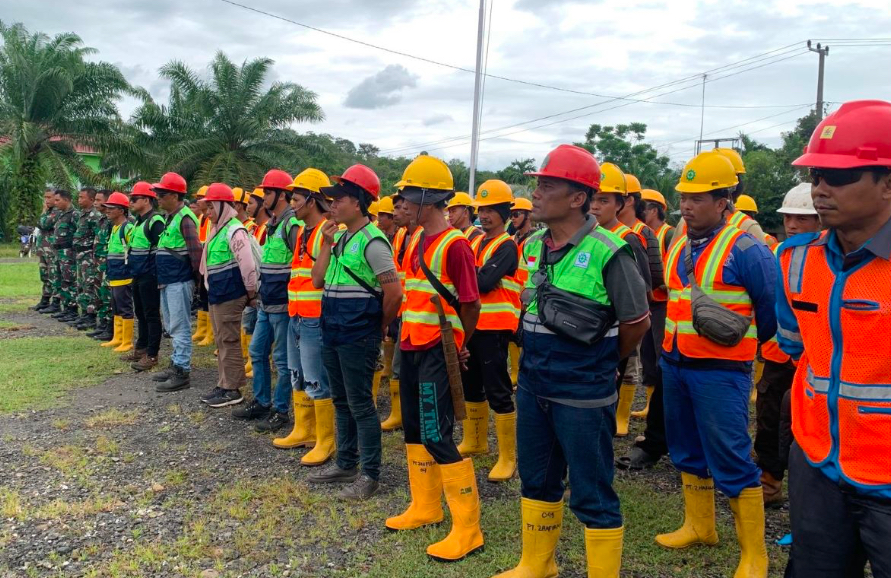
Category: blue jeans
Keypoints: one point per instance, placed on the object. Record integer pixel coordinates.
(350, 370)
(249, 320)
(553, 436)
(271, 328)
(176, 309)
(707, 425)
(305, 357)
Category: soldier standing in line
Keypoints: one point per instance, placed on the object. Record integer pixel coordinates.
(48, 301)
(86, 268)
(101, 289)
(63, 244)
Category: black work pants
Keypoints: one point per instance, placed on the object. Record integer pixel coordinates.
(122, 301)
(428, 414)
(147, 307)
(776, 380)
(487, 376)
(836, 530)
(650, 351)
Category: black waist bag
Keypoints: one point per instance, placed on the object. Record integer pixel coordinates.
(571, 316)
(711, 319)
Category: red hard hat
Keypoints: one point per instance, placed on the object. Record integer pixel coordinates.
(571, 163)
(118, 200)
(276, 179)
(144, 189)
(856, 135)
(362, 177)
(171, 182)
(219, 192)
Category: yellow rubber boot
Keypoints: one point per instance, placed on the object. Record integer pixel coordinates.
(623, 410)
(642, 414)
(200, 327)
(425, 484)
(324, 448)
(116, 338)
(463, 499)
(476, 429)
(514, 350)
(245, 353)
(126, 336)
(208, 334)
(604, 549)
(394, 420)
(506, 431)
(542, 522)
(303, 435)
(699, 515)
(748, 513)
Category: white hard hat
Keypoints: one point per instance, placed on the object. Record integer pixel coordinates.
(798, 201)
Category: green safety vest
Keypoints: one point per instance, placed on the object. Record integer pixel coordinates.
(275, 266)
(116, 264)
(141, 252)
(223, 274)
(174, 265)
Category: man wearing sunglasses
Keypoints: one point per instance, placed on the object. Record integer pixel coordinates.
(835, 320)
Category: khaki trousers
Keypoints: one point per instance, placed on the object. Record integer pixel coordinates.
(226, 321)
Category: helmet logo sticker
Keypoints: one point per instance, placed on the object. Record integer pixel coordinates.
(691, 174)
(828, 132)
(484, 193)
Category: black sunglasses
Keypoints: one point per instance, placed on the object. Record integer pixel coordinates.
(841, 177)
(516, 214)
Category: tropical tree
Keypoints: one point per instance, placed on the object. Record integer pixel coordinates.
(52, 102)
(228, 128)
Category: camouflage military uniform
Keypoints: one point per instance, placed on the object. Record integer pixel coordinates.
(87, 268)
(65, 261)
(102, 304)
(45, 253)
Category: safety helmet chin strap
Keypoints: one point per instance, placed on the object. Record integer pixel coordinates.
(421, 206)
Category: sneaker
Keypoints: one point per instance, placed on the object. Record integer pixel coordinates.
(179, 380)
(362, 489)
(145, 363)
(220, 397)
(254, 410)
(274, 422)
(333, 474)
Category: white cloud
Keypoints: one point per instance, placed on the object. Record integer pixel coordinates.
(382, 89)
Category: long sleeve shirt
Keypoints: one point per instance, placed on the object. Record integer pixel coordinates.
(754, 268)
(504, 261)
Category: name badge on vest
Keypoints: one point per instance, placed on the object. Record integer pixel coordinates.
(582, 260)
(354, 248)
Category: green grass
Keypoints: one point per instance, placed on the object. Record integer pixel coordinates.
(19, 280)
(36, 370)
(9, 249)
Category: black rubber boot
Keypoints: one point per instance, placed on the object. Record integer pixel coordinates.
(44, 302)
(89, 322)
(100, 328)
(51, 309)
(106, 335)
(77, 321)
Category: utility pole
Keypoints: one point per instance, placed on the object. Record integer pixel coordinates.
(474, 142)
(702, 114)
(823, 51)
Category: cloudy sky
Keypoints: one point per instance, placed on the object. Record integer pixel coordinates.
(584, 53)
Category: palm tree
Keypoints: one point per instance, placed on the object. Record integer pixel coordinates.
(52, 103)
(226, 129)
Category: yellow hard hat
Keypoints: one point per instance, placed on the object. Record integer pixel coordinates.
(493, 192)
(240, 195)
(373, 208)
(612, 179)
(708, 171)
(654, 196)
(521, 204)
(746, 203)
(461, 200)
(201, 192)
(735, 159)
(385, 205)
(632, 185)
(259, 193)
(427, 172)
(311, 180)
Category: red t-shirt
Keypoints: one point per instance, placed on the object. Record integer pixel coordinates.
(461, 268)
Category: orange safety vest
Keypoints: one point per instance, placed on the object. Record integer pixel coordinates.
(660, 294)
(523, 269)
(771, 241)
(250, 225)
(471, 233)
(841, 396)
(203, 229)
(623, 231)
(709, 275)
(304, 300)
(260, 234)
(500, 308)
(420, 321)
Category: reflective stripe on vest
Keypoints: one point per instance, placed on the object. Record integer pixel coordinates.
(141, 252)
(174, 265)
(841, 394)
(250, 225)
(275, 266)
(116, 265)
(349, 252)
(260, 234)
(660, 294)
(304, 299)
(770, 350)
(709, 275)
(471, 233)
(223, 274)
(737, 218)
(500, 308)
(420, 321)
